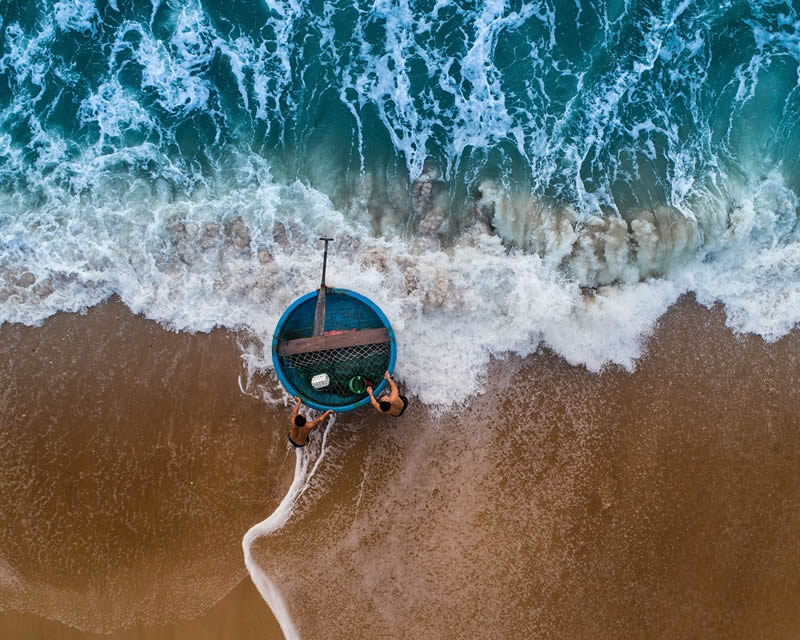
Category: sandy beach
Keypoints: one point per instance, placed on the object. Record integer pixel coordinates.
(560, 503)
(577, 224)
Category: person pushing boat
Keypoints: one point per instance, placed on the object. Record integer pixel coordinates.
(300, 427)
(392, 403)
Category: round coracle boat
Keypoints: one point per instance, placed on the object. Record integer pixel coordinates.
(329, 345)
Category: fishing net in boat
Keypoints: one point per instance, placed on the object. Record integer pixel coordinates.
(340, 365)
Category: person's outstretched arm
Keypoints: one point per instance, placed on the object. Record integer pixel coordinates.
(296, 409)
(372, 399)
(392, 385)
(321, 418)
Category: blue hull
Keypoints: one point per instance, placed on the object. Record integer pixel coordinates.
(345, 311)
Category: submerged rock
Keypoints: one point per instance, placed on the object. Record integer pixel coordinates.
(429, 203)
(596, 249)
(43, 289)
(211, 235)
(432, 222)
(176, 229)
(26, 280)
(279, 234)
(377, 258)
(239, 233)
(270, 272)
(187, 252)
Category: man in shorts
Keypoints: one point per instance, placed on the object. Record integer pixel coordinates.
(301, 428)
(392, 403)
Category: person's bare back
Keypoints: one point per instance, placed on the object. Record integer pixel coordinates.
(301, 428)
(392, 403)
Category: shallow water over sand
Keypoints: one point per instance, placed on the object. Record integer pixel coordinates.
(560, 503)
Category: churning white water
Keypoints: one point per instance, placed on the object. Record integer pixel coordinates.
(275, 521)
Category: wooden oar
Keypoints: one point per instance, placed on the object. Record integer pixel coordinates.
(319, 315)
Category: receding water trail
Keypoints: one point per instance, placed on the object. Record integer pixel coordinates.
(275, 521)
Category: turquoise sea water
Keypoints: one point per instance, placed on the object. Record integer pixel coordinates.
(501, 174)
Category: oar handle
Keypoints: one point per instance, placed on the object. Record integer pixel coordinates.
(325, 260)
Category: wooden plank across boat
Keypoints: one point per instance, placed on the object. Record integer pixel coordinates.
(355, 342)
(333, 340)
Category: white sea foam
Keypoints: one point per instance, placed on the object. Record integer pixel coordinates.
(753, 266)
(76, 15)
(278, 518)
(478, 116)
(192, 264)
(115, 112)
(173, 69)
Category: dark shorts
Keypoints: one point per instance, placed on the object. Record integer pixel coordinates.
(405, 406)
(298, 446)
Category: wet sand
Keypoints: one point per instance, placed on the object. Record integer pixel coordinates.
(131, 465)
(240, 614)
(659, 504)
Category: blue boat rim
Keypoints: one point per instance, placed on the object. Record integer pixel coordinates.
(282, 374)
